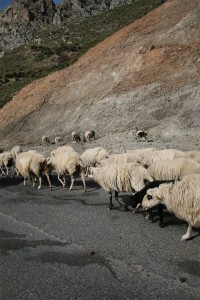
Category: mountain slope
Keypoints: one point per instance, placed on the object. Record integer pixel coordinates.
(145, 75)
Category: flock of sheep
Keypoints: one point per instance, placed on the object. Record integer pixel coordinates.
(153, 177)
(88, 136)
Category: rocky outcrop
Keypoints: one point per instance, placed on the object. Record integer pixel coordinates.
(19, 22)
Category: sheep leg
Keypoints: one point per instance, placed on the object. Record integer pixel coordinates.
(49, 182)
(40, 182)
(83, 180)
(188, 233)
(110, 198)
(63, 182)
(160, 212)
(25, 182)
(72, 182)
(87, 171)
(7, 171)
(116, 197)
(2, 171)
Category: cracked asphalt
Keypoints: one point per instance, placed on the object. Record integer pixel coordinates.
(65, 244)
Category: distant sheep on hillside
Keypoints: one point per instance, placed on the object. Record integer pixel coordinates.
(75, 136)
(89, 136)
(45, 140)
(141, 135)
(58, 140)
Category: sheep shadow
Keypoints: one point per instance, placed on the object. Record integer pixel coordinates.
(6, 181)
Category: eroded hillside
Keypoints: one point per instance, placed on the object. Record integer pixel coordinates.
(145, 75)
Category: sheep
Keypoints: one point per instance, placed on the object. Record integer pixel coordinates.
(46, 140)
(137, 198)
(62, 149)
(173, 169)
(15, 151)
(156, 155)
(141, 135)
(75, 136)
(30, 164)
(195, 155)
(93, 156)
(120, 178)
(182, 198)
(6, 161)
(89, 136)
(67, 163)
(128, 157)
(58, 140)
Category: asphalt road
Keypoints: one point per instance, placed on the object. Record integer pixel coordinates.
(65, 244)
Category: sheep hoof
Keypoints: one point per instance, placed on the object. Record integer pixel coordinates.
(39, 187)
(184, 237)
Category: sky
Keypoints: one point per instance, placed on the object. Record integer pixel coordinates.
(5, 3)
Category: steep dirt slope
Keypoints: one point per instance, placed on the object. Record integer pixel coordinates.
(145, 75)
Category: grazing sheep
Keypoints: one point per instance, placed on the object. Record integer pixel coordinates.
(173, 169)
(93, 156)
(89, 136)
(156, 155)
(137, 198)
(30, 164)
(61, 150)
(6, 161)
(58, 140)
(76, 136)
(46, 140)
(195, 155)
(182, 198)
(120, 178)
(141, 135)
(67, 163)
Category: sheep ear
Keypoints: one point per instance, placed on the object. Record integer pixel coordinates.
(159, 197)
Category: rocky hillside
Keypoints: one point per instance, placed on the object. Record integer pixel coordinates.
(20, 21)
(145, 75)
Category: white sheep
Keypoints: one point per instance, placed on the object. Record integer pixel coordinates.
(61, 150)
(30, 164)
(129, 157)
(15, 151)
(6, 161)
(173, 169)
(46, 140)
(89, 136)
(93, 156)
(120, 178)
(156, 155)
(67, 163)
(194, 154)
(58, 140)
(75, 136)
(182, 198)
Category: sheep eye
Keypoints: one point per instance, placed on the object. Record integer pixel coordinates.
(149, 197)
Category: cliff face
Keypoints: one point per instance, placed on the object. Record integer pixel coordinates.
(19, 22)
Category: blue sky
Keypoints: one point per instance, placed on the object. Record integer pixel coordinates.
(5, 3)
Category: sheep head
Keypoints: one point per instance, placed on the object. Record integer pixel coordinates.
(152, 198)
